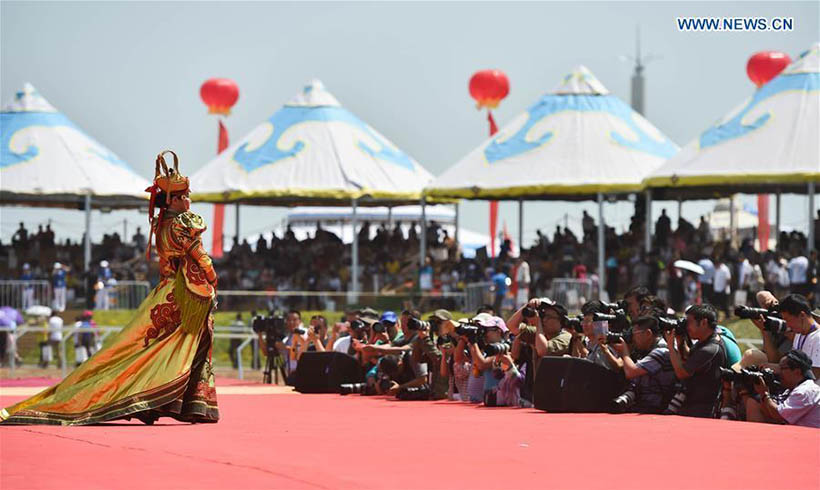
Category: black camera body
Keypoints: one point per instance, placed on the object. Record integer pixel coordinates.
(772, 320)
(496, 348)
(272, 326)
(618, 322)
(574, 323)
(468, 330)
(618, 305)
(747, 378)
(446, 342)
(614, 337)
(666, 323)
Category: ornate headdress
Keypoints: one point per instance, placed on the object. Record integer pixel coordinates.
(169, 181)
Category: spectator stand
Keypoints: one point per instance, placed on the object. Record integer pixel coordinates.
(569, 158)
(777, 152)
(52, 163)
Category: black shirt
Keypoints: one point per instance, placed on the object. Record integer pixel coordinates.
(703, 386)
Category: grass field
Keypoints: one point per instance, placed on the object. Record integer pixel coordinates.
(743, 329)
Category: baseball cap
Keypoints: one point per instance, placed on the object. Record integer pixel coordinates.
(489, 321)
(389, 317)
(442, 315)
(368, 313)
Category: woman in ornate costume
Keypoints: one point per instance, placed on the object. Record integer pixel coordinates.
(160, 363)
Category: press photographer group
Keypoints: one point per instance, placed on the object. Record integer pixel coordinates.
(633, 355)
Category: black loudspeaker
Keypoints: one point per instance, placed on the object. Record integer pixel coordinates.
(323, 372)
(570, 384)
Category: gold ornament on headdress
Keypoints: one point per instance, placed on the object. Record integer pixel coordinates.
(169, 181)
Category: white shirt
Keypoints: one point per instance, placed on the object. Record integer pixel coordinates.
(522, 275)
(810, 344)
(708, 271)
(55, 325)
(746, 271)
(342, 345)
(802, 406)
(797, 270)
(722, 277)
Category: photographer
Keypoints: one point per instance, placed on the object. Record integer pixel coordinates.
(800, 319)
(652, 378)
(700, 369)
(776, 344)
(801, 405)
(590, 344)
(491, 334)
(634, 298)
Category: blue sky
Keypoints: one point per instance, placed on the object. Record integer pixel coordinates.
(129, 74)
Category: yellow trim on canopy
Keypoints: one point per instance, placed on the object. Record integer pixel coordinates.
(728, 179)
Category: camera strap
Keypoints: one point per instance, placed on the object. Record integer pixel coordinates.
(804, 337)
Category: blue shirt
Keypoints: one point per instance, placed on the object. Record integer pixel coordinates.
(500, 282)
(733, 353)
(59, 278)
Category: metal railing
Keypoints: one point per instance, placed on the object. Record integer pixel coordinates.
(128, 295)
(338, 300)
(22, 294)
(477, 294)
(572, 293)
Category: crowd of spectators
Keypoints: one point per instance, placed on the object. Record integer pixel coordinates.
(389, 263)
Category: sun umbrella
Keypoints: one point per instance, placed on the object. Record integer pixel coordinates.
(689, 266)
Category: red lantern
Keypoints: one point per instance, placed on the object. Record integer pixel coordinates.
(219, 94)
(765, 65)
(488, 87)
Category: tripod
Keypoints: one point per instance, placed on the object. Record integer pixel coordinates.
(274, 364)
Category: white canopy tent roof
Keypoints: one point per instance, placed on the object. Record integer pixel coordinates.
(46, 160)
(439, 213)
(311, 151)
(767, 143)
(571, 144)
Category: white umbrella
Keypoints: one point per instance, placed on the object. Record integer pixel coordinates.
(38, 310)
(689, 266)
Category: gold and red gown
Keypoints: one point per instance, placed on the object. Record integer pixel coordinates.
(160, 363)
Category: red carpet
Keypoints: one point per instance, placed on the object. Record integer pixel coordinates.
(329, 441)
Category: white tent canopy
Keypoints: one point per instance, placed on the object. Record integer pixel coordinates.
(767, 143)
(439, 213)
(311, 151)
(571, 144)
(46, 160)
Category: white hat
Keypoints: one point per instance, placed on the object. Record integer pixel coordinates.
(58, 265)
(104, 263)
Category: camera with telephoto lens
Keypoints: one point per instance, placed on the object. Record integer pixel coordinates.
(618, 305)
(617, 322)
(414, 323)
(378, 327)
(299, 331)
(614, 337)
(272, 326)
(747, 378)
(468, 330)
(667, 323)
(543, 305)
(496, 348)
(574, 323)
(772, 321)
(353, 388)
(414, 393)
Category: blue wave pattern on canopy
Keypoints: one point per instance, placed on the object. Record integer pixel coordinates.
(734, 128)
(13, 122)
(290, 116)
(549, 105)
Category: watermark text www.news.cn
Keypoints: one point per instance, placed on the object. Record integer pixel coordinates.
(735, 24)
